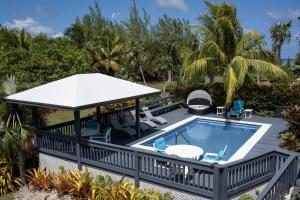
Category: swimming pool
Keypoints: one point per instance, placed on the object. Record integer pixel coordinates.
(212, 135)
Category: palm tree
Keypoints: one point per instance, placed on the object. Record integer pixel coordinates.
(227, 49)
(24, 39)
(17, 138)
(280, 33)
(107, 51)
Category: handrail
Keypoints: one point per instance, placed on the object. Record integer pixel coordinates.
(135, 162)
(274, 181)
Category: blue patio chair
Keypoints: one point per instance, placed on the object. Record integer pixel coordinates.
(237, 109)
(92, 124)
(57, 131)
(103, 137)
(160, 145)
(214, 157)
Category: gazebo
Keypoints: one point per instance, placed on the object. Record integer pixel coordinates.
(83, 91)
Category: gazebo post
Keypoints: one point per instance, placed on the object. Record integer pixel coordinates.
(77, 130)
(137, 117)
(34, 123)
(98, 113)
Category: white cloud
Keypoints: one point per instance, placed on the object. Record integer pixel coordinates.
(279, 15)
(30, 25)
(177, 4)
(56, 35)
(114, 15)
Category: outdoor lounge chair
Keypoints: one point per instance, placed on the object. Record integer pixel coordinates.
(159, 120)
(160, 145)
(103, 137)
(237, 110)
(143, 120)
(128, 118)
(199, 102)
(214, 157)
(92, 124)
(125, 129)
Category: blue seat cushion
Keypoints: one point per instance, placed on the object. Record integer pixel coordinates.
(92, 124)
(160, 144)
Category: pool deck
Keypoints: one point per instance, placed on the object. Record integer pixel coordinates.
(269, 141)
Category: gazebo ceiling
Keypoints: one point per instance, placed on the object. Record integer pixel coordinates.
(81, 91)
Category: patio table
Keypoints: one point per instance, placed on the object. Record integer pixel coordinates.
(185, 151)
(86, 132)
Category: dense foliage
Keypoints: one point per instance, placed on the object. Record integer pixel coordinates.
(83, 185)
(259, 97)
(227, 50)
(7, 181)
(291, 139)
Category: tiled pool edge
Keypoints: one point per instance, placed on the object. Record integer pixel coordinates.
(239, 154)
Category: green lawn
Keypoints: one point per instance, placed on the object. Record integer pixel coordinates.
(63, 116)
(7, 197)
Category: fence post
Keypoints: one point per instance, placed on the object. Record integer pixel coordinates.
(77, 129)
(220, 183)
(273, 163)
(137, 169)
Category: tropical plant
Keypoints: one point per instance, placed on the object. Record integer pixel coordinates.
(280, 33)
(62, 182)
(106, 51)
(292, 116)
(227, 50)
(40, 179)
(7, 182)
(17, 138)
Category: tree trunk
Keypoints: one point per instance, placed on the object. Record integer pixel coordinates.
(169, 75)
(211, 77)
(21, 165)
(142, 73)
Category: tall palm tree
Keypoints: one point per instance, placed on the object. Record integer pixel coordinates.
(107, 51)
(280, 33)
(17, 138)
(227, 49)
(24, 39)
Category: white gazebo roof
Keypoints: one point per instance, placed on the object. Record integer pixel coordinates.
(81, 91)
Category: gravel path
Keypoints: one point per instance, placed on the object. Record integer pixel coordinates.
(26, 194)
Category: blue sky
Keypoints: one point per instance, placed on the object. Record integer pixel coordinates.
(53, 16)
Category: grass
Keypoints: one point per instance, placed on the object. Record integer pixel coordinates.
(60, 116)
(7, 197)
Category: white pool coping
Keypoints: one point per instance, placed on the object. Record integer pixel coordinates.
(239, 154)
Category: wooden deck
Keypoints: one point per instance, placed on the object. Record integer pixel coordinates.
(268, 142)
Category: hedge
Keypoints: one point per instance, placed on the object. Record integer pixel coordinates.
(258, 97)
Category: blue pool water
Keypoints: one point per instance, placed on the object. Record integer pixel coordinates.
(211, 135)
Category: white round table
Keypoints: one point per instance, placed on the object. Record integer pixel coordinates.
(185, 151)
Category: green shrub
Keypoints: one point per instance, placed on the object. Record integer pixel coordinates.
(7, 182)
(82, 185)
(246, 197)
(258, 97)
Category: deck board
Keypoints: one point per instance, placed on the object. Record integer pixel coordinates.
(269, 141)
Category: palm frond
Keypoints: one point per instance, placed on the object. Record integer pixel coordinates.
(240, 66)
(197, 68)
(267, 69)
(9, 85)
(230, 84)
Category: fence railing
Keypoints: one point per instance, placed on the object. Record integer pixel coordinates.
(157, 106)
(201, 178)
(282, 181)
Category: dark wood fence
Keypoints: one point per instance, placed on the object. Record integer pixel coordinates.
(201, 178)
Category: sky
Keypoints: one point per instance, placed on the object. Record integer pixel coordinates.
(52, 17)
